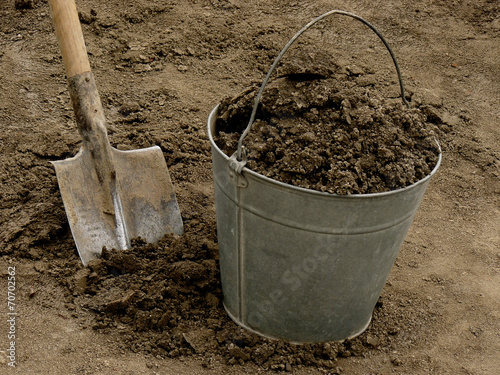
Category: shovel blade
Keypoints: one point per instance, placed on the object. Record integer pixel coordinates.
(147, 206)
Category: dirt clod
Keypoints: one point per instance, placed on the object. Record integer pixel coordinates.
(372, 341)
(24, 4)
(81, 280)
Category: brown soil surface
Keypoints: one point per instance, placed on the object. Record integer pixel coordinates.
(330, 130)
(161, 66)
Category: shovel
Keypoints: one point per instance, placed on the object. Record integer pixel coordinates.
(110, 196)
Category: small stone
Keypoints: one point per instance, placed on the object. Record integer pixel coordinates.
(413, 264)
(141, 68)
(86, 18)
(32, 293)
(396, 361)
(450, 119)
(179, 51)
(40, 267)
(372, 341)
(182, 68)
(132, 56)
(202, 340)
(107, 22)
(355, 70)
(368, 80)
(288, 367)
(476, 331)
(429, 97)
(129, 107)
(48, 58)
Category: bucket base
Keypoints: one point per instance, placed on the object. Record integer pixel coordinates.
(293, 342)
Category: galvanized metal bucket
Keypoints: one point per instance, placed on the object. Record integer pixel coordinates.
(298, 264)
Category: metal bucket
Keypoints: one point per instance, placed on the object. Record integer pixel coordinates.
(303, 265)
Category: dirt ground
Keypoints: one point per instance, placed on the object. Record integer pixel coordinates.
(161, 66)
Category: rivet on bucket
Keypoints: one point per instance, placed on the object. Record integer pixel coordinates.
(298, 264)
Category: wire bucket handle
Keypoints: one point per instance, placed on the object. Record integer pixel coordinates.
(238, 163)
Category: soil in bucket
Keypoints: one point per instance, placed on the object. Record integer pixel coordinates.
(329, 128)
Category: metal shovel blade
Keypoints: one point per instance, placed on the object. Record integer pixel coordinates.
(110, 196)
(143, 204)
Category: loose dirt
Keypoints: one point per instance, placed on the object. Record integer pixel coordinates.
(161, 66)
(166, 300)
(327, 128)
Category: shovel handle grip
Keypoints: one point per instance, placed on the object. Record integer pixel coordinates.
(70, 37)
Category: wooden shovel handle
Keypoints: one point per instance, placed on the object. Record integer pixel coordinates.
(70, 37)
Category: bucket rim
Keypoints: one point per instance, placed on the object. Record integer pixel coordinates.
(258, 176)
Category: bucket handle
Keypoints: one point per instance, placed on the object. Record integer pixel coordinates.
(273, 67)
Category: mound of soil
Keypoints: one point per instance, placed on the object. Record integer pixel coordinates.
(330, 129)
(166, 299)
